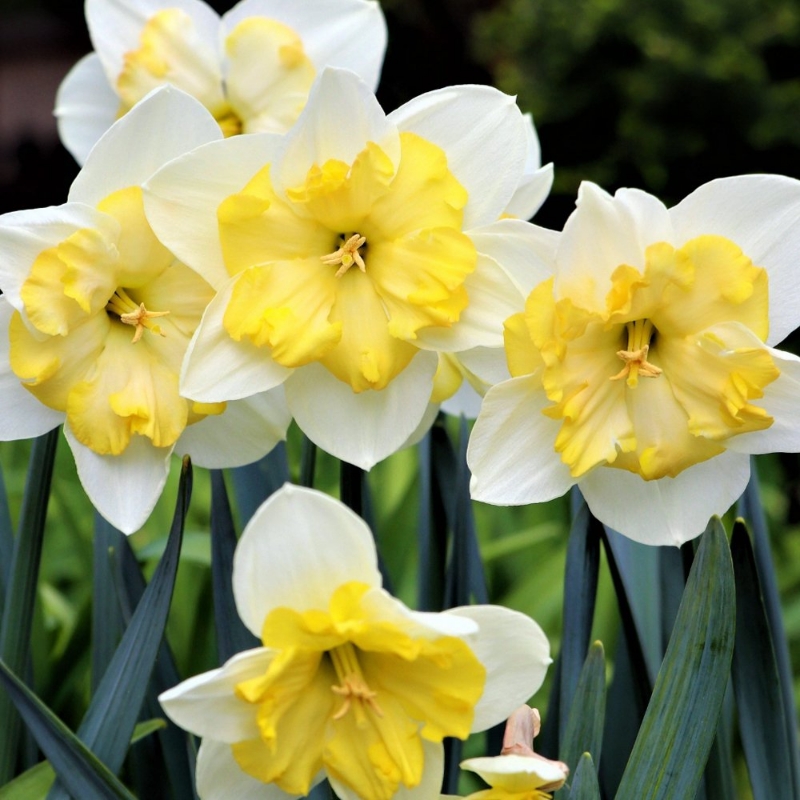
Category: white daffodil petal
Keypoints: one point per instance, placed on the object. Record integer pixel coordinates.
(486, 363)
(123, 488)
(86, 107)
(23, 415)
(482, 131)
(181, 200)
(25, 234)
(526, 773)
(760, 214)
(668, 510)
(493, 296)
(206, 704)
(363, 428)
(526, 252)
(531, 193)
(115, 27)
(341, 116)
(428, 787)
(603, 233)
(219, 777)
(516, 654)
(217, 368)
(466, 402)
(510, 451)
(285, 559)
(244, 432)
(169, 120)
(780, 401)
(329, 29)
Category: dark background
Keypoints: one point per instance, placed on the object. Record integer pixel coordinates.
(663, 96)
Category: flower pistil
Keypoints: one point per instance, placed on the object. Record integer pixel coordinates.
(347, 255)
(635, 357)
(131, 313)
(353, 685)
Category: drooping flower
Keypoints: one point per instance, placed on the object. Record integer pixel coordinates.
(252, 69)
(644, 368)
(349, 684)
(96, 316)
(347, 253)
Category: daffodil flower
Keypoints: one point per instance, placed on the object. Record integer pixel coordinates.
(644, 367)
(347, 253)
(96, 316)
(252, 69)
(349, 684)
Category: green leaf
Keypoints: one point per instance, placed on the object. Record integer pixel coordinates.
(673, 744)
(232, 635)
(106, 620)
(751, 509)
(35, 783)
(756, 683)
(6, 541)
(580, 594)
(431, 531)
(82, 772)
(15, 629)
(584, 784)
(584, 732)
(110, 720)
(254, 483)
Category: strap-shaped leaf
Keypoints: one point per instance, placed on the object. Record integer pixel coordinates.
(6, 541)
(672, 747)
(254, 483)
(580, 594)
(584, 784)
(751, 509)
(431, 532)
(110, 720)
(82, 773)
(756, 684)
(15, 629)
(232, 635)
(584, 732)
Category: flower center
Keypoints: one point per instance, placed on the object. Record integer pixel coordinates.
(130, 313)
(634, 357)
(347, 255)
(353, 687)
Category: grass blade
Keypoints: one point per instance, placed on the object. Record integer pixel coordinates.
(584, 784)
(671, 750)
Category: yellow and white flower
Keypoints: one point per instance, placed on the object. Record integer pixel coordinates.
(252, 68)
(96, 316)
(516, 777)
(349, 684)
(644, 367)
(347, 253)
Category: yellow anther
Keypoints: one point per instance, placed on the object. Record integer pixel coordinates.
(347, 255)
(137, 315)
(635, 357)
(353, 686)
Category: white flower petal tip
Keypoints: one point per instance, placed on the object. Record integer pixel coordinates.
(123, 488)
(517, 773)
(642, 369)
(285, 559)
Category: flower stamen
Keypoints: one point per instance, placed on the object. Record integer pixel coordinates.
(635, 357)
(130, 313)
(353, 686)
(347, 255)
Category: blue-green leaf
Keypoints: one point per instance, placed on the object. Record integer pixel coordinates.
(673, 744)
(584, 784)
(6, 541)
(254, 483)
(232, 635)
(584, 731)
(82, 773)
(106, 620)
(580, 594)
(15, 629)
(756, 684)
(110, 720)
(431, 533)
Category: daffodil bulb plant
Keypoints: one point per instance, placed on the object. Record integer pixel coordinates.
(349, 684)
(252, 68)
(644, 367)
(348, 253)
(96, 316)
